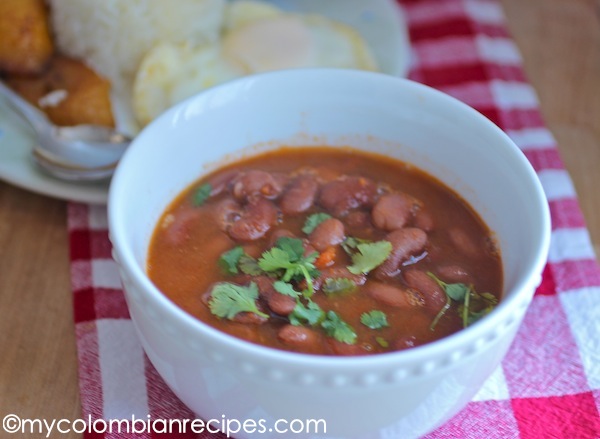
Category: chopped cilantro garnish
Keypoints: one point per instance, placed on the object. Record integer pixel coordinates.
(249, 265)
(335, 327)
(201, 194)
(288, 262)
(374, 319)
(313, 221)
(230, 259)
(338, 285)
(369, 256)
(285, 289)
(310, 314)
(227, 300)
(473, 305)
(350, 243)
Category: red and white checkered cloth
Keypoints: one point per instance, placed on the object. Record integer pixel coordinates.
(548, 386)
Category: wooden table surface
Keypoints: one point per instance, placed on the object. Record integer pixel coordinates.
(560, 44)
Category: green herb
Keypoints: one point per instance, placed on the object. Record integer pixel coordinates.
(201, 194)
(285, 289)
(227, 300)
(310, 314)
(230, 259)
(473, 305)
(335, 327)
(350, 243)
(338, 285)
(313, 221)
(249, 265)
(382, 342)
(374, 319)
(287, 261)
(369, 256)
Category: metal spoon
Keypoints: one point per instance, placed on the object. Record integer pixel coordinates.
(57, 167)
(92, 150)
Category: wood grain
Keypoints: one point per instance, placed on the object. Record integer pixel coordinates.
(560, 44)
(38, 363)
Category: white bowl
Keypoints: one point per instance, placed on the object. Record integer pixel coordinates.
(404, 394)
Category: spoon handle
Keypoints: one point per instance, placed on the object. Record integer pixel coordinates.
(31, 113)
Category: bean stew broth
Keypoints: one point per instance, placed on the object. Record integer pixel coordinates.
(429, 242)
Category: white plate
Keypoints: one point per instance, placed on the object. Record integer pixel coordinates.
(379, 21)
(18, 168)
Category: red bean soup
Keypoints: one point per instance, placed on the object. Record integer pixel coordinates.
(329, 251)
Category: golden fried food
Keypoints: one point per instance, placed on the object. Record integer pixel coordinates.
(25, 42)
(69, 92)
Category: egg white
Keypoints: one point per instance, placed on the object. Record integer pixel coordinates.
(257, 37)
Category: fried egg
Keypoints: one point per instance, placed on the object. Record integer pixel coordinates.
(171, 72)
(257, 37)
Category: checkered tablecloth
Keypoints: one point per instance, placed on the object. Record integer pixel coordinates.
(548, 386)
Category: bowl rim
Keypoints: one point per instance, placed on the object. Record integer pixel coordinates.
(517, 298)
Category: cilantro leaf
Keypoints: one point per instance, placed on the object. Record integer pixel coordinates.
(230, 259)
(310, 314)
(338, 285)
(473, 305)
(313, 221)
(369, 256)
(457, 292)
(292, 246)
(350, 243)
(286, 289)
(201, 194)
(275, 259)
(374, 319)
(335, 327)
(249, 265)
(287, 261)
(227, 300)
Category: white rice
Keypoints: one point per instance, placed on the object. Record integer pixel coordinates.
(112, 36)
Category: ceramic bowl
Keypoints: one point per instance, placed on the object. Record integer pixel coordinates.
(397, 395)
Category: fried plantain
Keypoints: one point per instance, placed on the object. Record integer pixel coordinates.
(69, 92)
(25, 42)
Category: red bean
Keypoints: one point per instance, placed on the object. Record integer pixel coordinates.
(300, 196)
(264, 285)
(453, 273)
(342, 195)
(405, 243)
(277, 302)
(423, 220)
(329, 233)
(221, 182)
(394, 296)
(340, 348)
(227, 212)
(257, 218)
(281, 304)
(255, 182)
(301, 338)
(393, 211)
(308, 248)
(359, 220)
(435, 297)
(279, 233)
